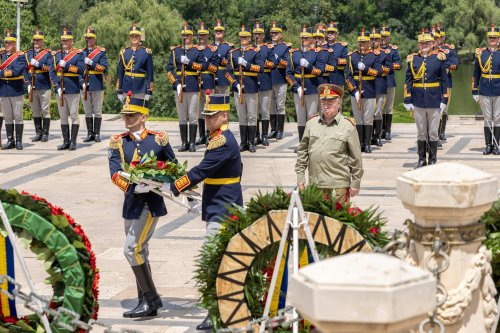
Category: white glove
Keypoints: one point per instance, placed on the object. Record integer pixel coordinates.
(88, 61)
(304, 62)
(194, 207)
(121, 98)
(361, 66)
(357, 95)
(179, 89)
(29, 89)
(185, 60)
(147, 97)
(442, 107)
(408, 107)
(62, 63)
(238, 87)
(83, 86)
(59, 92)
(300, 92)
(475, 98)
(143, 188)
(242, 61)
(35, 63)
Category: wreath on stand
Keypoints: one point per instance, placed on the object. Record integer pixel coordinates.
(368, 223)
(60, 243)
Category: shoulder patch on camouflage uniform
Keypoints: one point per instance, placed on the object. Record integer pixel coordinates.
(216, 142)
(116, 140)
(149, 51)
(161, 137)
(410, 57)
(441, 56)
(343, 43)
(394, 47)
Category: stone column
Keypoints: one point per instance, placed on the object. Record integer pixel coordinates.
(452, 197)
(363, 293)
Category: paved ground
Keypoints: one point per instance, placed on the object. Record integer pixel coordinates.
(79, 182)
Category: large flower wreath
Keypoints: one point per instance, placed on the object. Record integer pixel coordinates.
(61, 244)
(367, 222)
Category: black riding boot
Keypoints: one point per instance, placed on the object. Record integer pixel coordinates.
(387, 127)
(265, 129)
(192, 137)
(45, 129)
(205, 325)
(488, 138)
(359, 128)
(421, 149)
(19, 136)
(38, 129)
(74, 135)
(378, 131)
(184, 134)
(280, 126)
(367, 131)
(442, 127)
(496, 133)
(89, 121)
(258, 141)
(151, 301)
(252, 132)
(9, 129)
(433, 152)
(243, 138)
(97, 129)
(272, 120)
(203, 134)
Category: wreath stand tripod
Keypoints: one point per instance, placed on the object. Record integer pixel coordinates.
(296, 219)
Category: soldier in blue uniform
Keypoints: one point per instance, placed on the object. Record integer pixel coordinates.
(305, 67)
(486, 89)
(223, 48)
(141, 208)
(391, 81)
(425, 93)
(278, 75)
(220, 171)
(362, 68)
(325, 53)
(96, 65)
(39, 61)
(186, 61)
(12, 67)
(68, 62)
(135, 68)
(245, 63)
(340, 54)
(207, 77)
(380, 85)
(265, 82)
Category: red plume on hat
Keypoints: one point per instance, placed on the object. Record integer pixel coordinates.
(207, 92)
(129, 93)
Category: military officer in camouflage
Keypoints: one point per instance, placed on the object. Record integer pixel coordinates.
(486, 89)
(330, 149)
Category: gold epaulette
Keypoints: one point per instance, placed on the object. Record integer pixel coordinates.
(116, 140)
(216, 142)
(231, 51)
(441, 56)
(270, 45)
(161, 137)
(149, 51)
(213, 48)
(409, 58)
(318, 49)
(288, 44)
(376, 52)
(445, 51)
(102, 49)
(387, 51)
(293, 50)
(394, 47)
(324, 43)
(230, 44)
(55, 52)
(174, 47)
(451, 46)
(343, 43)
(79, 50)
(329, 50)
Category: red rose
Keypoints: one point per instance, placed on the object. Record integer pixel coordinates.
(326, 197)
(374, 231)
(160, 165)
(234, 218)
(354, 211)
(133, 164)
(338, 206)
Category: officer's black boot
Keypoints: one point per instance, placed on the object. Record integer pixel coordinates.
(243, 138)
(265, 129)
(97, 129)
(496, 133)
(280, 126)
(9, 129)
(192, 137)
(421, 154)
(65, 135)
(387, 127)
(272, 120)
(45, 129)
(74, 134)
(367, 131)
(38, 129)
(373, 141)
(205, 325)
(252, 132)
(433, 152)
(378, 130)
(487, 138)
(301, 130)
(89, 121)
(258, 141)
(140, 296)
(184, 134)
(384, 121)
(151, 301)
(203, 134)
(442, 127)
(359, 128)
(19, 136)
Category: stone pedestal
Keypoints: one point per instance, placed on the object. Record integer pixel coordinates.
(363, 293)
(453, 196)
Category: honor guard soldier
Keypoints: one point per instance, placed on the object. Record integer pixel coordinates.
(385, 60)
(340, 54)
(305, 67)
(278, 75)
(96, 65)
(330, 149)
(245, 63)
(223, 48)
(135, 68)
(452, 65)
(67, 77)
(391, 81)
(325, 53)
(425, 94)
(185, 63)
(207, 77)
(363, 67)
(37, 78)
(486, 89)
(12, 67)
(265, 81)
(141, 208)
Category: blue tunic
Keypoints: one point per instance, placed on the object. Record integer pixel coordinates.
(73, 72)
(373, 68)
(197, 64)
(486, 78)
(135, 71)
(340, 56)
(12, 76)
(42, 71)
(282, 55)
(312, 73)
(98, 68)
(255, 65)
(270, 62)
(223, 54)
